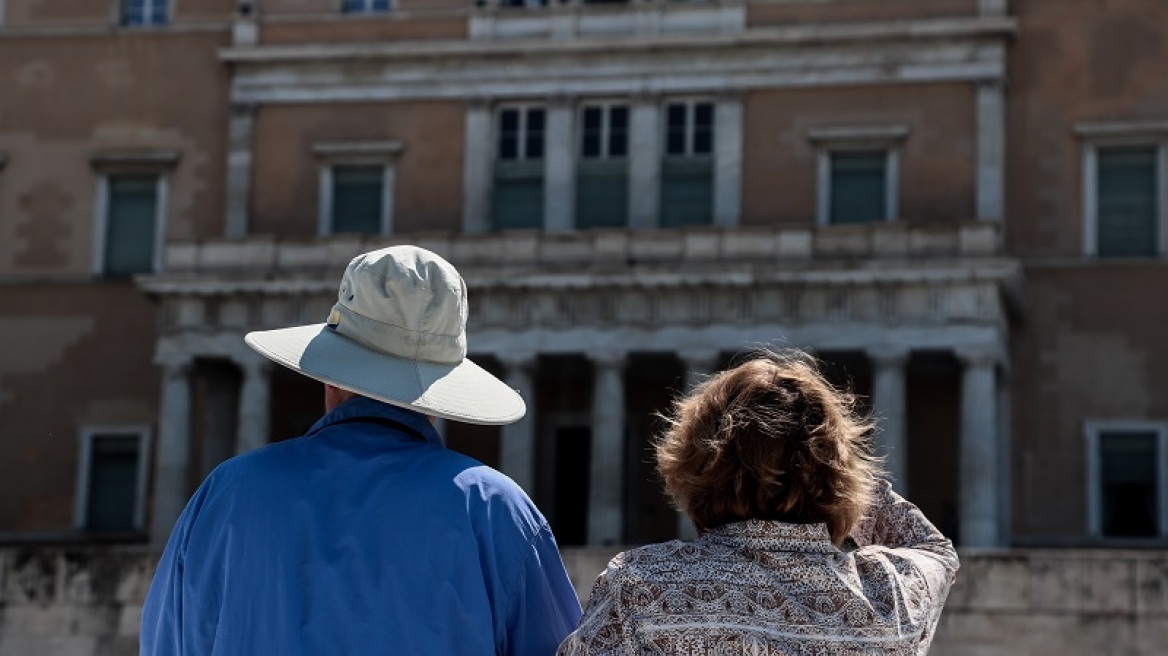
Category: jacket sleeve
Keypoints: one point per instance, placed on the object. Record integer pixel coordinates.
(544, 607)
(893, 522)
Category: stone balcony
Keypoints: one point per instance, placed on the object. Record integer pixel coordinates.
(798, 248)
(88, 601)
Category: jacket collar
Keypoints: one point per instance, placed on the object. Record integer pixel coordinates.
(360, 407)
(769, 535)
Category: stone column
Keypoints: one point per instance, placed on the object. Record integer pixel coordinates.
(517, 440)
(888, 404)
(559, 196)
(991, 151)
(241, 127)
(728, 160)
(699, 364)
(978, 503)
(606, 480)
(254, 405)
(478, 155)
(173, 454)
(644, 162)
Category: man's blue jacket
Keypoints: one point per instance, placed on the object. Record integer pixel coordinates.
(364, 536)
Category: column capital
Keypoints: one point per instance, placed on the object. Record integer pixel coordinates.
(517, 359)
(480, 102)
(562, 100)
(175, 364)
(978, 354)
(608, 358)
(700, 358)
(253, 365)
(645, 97)
(888, 355)
(730, 95)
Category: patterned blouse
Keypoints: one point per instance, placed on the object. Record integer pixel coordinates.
(767, 587)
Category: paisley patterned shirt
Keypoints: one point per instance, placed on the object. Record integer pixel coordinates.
(767, 587)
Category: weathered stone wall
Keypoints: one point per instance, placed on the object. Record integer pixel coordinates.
(88, 601)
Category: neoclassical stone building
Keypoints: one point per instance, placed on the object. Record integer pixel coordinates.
(959, 205)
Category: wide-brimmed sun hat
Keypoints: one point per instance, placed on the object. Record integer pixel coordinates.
(397, 334)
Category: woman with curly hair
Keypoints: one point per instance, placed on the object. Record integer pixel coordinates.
(803, 548)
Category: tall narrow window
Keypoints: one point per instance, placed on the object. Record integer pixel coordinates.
(111, 481)
(1128, 483)
(687, 169)
(517, 201)
(145, 12)
(365, 6)
(130, 224)
(358, 197)
(858, 186)
(602, 172)
(1128, 212)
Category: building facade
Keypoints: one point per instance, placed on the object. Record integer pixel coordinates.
(960, 205)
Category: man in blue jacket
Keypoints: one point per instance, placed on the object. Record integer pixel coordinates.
(366, 535)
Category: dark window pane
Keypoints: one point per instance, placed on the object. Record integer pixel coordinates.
(357, 199)
(618, 132)
(703, 140)
(704, 115)
(130, 224)
(1127, 463)
(676, 116)
(509, 134)
(113, 483)
(858, 186)
(590, 134)
(534, 143)
(1127, 212)
(381, 5)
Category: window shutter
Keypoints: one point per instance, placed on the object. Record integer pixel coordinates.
(113, 483)
(132, 207)
(357, 199)
(1127, 211)
(1127, 463)
(602, 194)
(687, 192)
(859, 187)
(517, 201)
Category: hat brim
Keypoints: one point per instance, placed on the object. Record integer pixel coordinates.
(463, 392)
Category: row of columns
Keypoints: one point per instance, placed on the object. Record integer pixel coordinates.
(980, 489)
(645, 154)
(172, 469)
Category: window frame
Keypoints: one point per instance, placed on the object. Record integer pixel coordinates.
(605, 106)
(690, 128)
(840, 139)
(169, 6)
(86, 437)
(384, 154)
(1096, 136)
(497, 126)
(1092, 431)
(368, 9)
(114, 164)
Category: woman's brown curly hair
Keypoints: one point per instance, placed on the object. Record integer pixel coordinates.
(769, 439)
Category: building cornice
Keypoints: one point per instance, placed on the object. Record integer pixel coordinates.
(783, 37)
(966, 49)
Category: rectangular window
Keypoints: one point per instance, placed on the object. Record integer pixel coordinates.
(1128, 212)
(131, 224)
(358, 196)
(1127, 486)
(687, 167)
(144, 12)
(517, 200)
(111, 481)
(602, 171)
(858, 186)
(365, 6)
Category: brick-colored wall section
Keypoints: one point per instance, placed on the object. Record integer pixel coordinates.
(88, 602)
(428, 188)
(338, 28)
